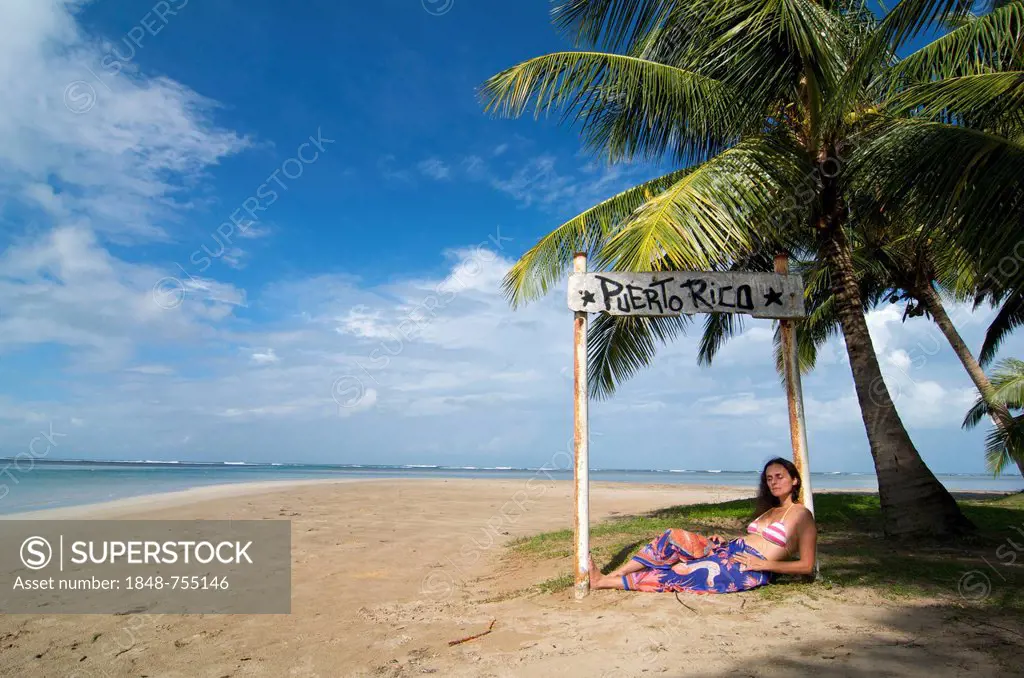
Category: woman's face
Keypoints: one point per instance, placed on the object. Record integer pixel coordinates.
(780, 483)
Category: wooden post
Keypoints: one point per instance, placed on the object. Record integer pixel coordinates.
(581, 473)
(795, 398)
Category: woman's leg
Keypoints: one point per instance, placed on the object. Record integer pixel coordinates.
(671, 547)
(604, 581)
(627, 567)
(659, 550)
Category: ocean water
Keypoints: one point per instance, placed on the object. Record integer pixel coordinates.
(52, 484)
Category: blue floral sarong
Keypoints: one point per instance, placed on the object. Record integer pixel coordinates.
(685, 561)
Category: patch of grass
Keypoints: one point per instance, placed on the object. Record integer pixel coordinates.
(508, 595)
(555, 584)
(771, 593)
(542, 543)
(852, 551)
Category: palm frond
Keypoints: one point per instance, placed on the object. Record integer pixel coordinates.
(910, 17)
(724, 208)
(719, 328)
(1009, 318)
(979, 410)
(1004, 446)
(620, 346)
(684, 33)
(955, 270)
(546, 263)
(905, 168)
(806, 352)
(612, 24)
(1008, 383)
(878, 53)
(991, 42)
(820, 324)
(820, 37)
(658, 110)
(985, 101)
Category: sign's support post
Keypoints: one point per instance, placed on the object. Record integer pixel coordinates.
(795, 401)
(581, 473)
(795, 397)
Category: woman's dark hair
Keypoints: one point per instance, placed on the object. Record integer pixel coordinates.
(765, 499)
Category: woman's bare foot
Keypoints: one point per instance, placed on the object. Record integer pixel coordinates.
(603, 581)
(595, 573)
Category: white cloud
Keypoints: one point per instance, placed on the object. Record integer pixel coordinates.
(233, 257)
(754, 345)
(537, 182)
(364, 402)
(434, 168)
(638, 407)
(928, 404)
(451, 404)
(900, 359)
(120, 146)
(266, 410)
(923, 402)
(541, 182)
(152, 369)
(99, 154)
(768, 411)
(267, 357)
(475, 167)
(65, 288)
(253, 232)
(884, 325)
(362, 322)
(212, 290)
(476, 378)
(386, 166)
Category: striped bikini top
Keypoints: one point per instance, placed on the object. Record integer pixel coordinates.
(776, 532)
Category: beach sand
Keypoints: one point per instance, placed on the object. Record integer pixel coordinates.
(379, 588)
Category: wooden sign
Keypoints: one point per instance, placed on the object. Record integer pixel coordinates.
(667, 293)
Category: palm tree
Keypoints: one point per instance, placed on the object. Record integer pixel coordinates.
(892, 265)
(785, 116)
(924, 292)
(1004, 444)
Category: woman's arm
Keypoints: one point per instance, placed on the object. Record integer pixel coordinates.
(808, 539)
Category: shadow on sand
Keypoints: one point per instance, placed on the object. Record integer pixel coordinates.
(939, 640)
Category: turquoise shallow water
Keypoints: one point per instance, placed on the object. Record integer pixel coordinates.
(53, 484)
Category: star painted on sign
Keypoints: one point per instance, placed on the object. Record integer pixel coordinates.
(773, 297)
(588, 298)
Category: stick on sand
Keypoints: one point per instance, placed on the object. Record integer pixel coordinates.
(469, 638)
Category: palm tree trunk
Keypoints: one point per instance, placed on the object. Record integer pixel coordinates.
(914, 502)
(933, 302)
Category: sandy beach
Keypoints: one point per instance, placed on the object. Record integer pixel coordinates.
(381, 584)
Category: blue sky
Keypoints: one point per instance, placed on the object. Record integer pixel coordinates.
(133, 134)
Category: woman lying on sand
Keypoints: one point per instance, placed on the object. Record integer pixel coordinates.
(684, 561)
